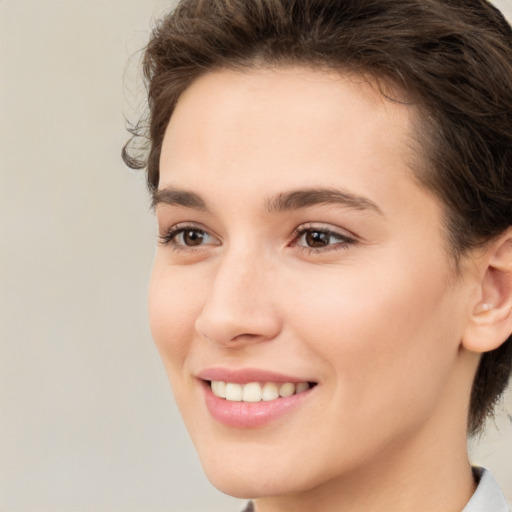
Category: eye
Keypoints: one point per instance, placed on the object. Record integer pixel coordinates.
(318, 239)
(187, 237)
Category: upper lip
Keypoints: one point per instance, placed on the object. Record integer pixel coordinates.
(246, 375)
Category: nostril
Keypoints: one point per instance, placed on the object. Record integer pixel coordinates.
(246, 336)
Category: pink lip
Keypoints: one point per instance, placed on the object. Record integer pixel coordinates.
(245, 375)
(246, 414)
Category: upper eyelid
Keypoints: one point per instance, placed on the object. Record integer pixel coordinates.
(184, 226)
(325, 228)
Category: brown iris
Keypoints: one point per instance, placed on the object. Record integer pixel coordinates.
(317, 239)
(193, 237)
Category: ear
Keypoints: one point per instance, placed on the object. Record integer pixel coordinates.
(491, 317)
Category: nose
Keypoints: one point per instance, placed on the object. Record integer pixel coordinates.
(239, 307)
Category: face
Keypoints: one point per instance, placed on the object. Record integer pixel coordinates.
(299, 257)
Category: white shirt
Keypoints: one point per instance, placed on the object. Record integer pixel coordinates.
(488, 496)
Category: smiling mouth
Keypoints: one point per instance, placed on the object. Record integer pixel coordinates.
(257, 392)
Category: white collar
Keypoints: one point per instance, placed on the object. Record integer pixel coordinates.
(488, 496)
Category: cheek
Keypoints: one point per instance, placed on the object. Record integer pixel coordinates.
(172, 307)
(379, 331)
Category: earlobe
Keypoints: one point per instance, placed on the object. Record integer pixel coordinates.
(483, 307)
(491, 318)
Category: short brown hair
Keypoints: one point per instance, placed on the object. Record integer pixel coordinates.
(451, 58)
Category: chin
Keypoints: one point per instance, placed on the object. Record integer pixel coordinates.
(241, 475)
(244, 486)
(251, 477)
(237, 487)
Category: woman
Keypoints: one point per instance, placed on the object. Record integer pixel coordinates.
(332, 291)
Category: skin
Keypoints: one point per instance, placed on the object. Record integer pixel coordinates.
(376, 317)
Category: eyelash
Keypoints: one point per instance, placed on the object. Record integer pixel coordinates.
(344, 241)
(169, 238)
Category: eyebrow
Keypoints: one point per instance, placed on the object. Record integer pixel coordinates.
(177, 197)
(304, 198)
(285, 201)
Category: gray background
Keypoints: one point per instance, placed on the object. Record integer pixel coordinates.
(87, 422)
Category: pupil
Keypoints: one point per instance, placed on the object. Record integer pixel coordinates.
(192, 237)
(317, 239)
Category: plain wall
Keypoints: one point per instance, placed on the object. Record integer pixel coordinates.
(87, 421)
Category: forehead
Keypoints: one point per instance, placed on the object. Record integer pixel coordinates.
(291, 104)
(287, 126)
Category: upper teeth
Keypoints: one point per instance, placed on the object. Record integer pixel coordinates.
(254, 391)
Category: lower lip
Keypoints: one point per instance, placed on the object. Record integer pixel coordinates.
(251, 414)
